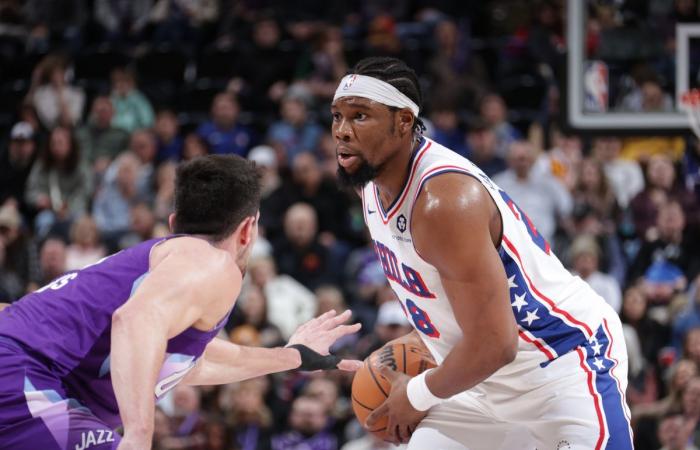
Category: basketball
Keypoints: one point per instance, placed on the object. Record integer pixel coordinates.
(370, 388)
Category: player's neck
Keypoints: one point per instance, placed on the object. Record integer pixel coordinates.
(393, 178)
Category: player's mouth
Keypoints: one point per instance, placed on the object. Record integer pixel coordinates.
(347, 159)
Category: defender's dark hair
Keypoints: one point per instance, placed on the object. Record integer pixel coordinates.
(214, 194)
(396, 73)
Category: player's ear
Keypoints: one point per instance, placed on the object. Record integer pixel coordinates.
(405, 118)
(171, 222)
(247, 230)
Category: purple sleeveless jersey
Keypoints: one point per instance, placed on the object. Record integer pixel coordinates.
(67, 324)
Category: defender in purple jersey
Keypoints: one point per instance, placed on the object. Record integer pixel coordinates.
(96, 348)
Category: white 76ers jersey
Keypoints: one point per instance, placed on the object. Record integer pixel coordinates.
(554, 310)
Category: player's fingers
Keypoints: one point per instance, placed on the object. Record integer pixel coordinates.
(403, 433)
(332, 322)
(350, 365)
(342, 330)
(318, 321)
(375, 415)
(387, 373)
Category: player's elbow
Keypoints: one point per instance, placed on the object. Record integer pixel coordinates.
(508, 349)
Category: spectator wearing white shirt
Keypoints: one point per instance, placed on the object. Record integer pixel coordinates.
(541, 196)
(625, 176)
(585, 255)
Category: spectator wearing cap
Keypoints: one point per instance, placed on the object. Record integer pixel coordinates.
(585, 256)
(296, 132)
(100, 142)
(542, 197)
(16, 163)
(391, 324)
(482, 148)
(222, 132)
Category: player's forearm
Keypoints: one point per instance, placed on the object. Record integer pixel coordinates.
(224, 362)
(138, 346)
(467, 364)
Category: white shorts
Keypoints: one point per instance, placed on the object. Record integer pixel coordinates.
(576, 402)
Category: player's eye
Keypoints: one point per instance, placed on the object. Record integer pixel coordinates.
(336, 116)
(360, 116)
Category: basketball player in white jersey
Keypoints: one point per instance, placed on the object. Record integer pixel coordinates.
(529, 356)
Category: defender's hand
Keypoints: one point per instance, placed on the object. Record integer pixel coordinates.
(403, 418)
(319, 334)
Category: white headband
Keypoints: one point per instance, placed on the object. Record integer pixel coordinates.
(354, 85)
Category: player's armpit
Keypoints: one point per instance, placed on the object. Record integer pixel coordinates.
(452, 230)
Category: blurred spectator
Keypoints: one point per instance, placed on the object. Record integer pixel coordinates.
(164, 201)
(55, 21)
(563, 161)
(112, 206)
(690, 402)
(59, 185)
(391, 324)
(308, 420)
(299, 252)
(662, 187)
(674, 244)
(675, 433)
(585, 255)
(325, 64)
(194, 146)
(542, 198)
(447, 131)
(85, 247)
(188, 422)
(18, 258)
(16, 163)
(648, 96)
(482, 149)
(180, 21)
(249, 418)
(678, 376)
(331, 205)
(143, 226)
(253, 309)
(650, 334)
(494, 112)
(143, 145)
(122, 22)
(296, 132)
(382, 37)
(329, 297)
(338, 408)
(168, 140)
(625, 176)
(161, 429)
(266, 162)
(454, 70)
(55, 100)
(100, 142)
(691, 167)
(289, 303)
(593, 191)
(223, 133)
(689, 318)
(133, 111)
(52, 262)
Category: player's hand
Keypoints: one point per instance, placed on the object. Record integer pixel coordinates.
(403, 418)
(320, 333)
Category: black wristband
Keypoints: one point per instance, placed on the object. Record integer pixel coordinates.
(312, 360)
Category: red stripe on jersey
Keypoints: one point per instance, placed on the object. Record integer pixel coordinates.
(547, 300)
(596, 398)
(536, 342)
(398, 204)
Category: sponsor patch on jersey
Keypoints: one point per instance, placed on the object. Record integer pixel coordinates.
(401, 223)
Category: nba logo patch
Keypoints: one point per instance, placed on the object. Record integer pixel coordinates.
(401, 223)
(349, 82)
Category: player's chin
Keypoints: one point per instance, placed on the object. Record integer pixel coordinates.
(350, 365)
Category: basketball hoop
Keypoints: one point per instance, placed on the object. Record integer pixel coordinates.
(690, 102)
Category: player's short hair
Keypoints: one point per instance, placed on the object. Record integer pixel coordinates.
(396, 73)
(214, 194)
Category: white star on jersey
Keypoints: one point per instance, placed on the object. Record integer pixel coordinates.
(511, 283)
(531, 317)
(596, 348)
(519, 302)
(599, 364)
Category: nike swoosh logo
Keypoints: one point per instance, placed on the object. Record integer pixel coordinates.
(369, 211)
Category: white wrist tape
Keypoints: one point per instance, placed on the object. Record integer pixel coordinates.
(419, 395)
(354, 85)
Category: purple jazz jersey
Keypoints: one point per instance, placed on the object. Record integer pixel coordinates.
(65, 328)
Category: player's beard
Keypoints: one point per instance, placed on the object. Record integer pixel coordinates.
(359, 178)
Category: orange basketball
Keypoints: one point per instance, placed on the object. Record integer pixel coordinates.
(370, 388)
